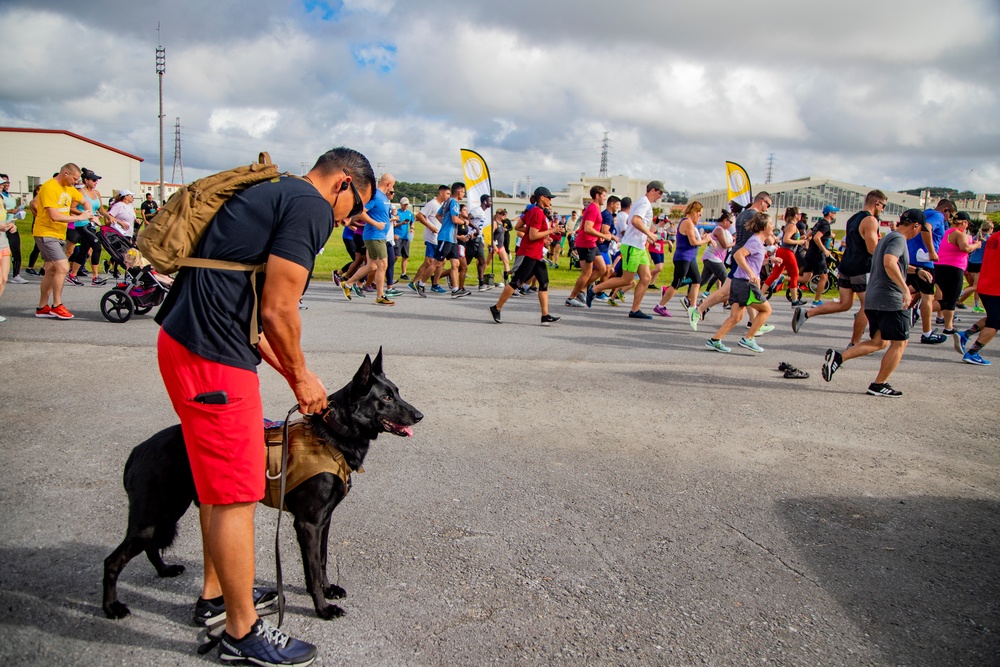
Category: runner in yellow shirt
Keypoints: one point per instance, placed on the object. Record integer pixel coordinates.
(55, 199)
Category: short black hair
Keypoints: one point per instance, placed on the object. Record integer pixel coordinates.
(456, 185)
(354, 163)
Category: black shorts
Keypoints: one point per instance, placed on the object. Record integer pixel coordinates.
(685, 269)
(474, 250)
(713, 271)
(858, 284)
(814, 264)
(531, 268)
(975, 267)
(587, 254)
(921, 285)
(403, 248)
(740, 291)
(446, 250)
(951, 280)
(992, 306)
(893, 324)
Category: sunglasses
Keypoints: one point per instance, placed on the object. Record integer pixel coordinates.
(359, 204)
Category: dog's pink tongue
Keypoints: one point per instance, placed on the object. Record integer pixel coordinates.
(408, 431)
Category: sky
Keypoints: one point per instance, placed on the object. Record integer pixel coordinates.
(890, 94)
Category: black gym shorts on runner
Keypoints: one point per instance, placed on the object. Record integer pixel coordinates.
(921, 285)
(740, 290)
(587, 254)
(446, 250)
(858, 284)
(814, 264)
(894, 324)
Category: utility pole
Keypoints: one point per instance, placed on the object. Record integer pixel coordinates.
(161, 67)
(177, 152)
(604, 157)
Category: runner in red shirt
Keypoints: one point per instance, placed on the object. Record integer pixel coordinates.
(592, 265)
(535, 225)
(988, 289)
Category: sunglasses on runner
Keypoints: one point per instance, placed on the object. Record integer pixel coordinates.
(359, 204)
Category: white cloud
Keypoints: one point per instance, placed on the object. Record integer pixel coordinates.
(254, 122)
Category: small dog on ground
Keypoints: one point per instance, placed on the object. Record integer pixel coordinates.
(160, 487)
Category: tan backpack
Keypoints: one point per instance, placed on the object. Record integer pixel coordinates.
(171, 237)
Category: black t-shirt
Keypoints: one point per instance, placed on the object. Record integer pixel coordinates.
(209, 311)
(857, 260)
(149, 208)
(821, 227)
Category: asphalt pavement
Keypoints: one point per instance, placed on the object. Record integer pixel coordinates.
(602, 491)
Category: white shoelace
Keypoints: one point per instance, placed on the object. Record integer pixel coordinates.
(272, 634)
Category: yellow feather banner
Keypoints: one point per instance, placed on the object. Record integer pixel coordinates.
(738, 184)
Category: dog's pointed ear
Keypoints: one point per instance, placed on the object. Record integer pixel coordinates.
(377, 364)
(363, 377)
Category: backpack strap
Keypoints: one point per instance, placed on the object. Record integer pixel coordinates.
(202, 263)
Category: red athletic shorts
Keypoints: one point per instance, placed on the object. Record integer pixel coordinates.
(225, 443)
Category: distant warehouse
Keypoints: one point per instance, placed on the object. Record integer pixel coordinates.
(30, 156)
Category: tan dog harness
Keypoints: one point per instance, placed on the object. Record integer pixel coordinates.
(308, 455)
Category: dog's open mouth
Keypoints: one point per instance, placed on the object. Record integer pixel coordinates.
(398, 429)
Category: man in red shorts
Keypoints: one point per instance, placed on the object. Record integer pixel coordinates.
(209, 363)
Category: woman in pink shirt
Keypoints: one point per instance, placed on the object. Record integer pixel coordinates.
(949, 270)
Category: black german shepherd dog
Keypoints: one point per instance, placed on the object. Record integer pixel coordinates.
(160, 486)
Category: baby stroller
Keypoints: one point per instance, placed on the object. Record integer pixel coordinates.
(140, 289)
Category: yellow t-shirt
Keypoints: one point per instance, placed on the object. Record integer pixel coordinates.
(54, 195)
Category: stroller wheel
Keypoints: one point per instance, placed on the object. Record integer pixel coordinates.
(143, 310)
(116, 306)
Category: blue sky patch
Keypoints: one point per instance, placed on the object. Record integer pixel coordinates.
(327, 10)
(376, 55)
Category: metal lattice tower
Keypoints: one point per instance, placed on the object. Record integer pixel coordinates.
(161, 67)
(770, 168)
(604, 156)
(178, 162)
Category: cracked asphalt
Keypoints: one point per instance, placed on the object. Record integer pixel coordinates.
(602, 491)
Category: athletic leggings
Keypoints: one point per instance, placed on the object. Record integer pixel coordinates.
(87, 241)
(351, 251)
(15, 251)
(950, 280)
(712, 272)
(390, 269)
(531, 268)
(789, 264)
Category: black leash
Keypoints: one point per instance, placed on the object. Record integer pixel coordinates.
(281, 511)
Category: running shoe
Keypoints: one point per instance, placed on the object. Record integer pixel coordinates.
(620, 295)
(685, 302)
(347, 290)
(495, 312)
(574, 303)
(82, 272)
(2, 318)
(61, 313)
(765, 328)
(799, 302)
(44, 311)
(438, 289)
(613, 302)
(639, 315)
(413, 286)
(73, 280)
(31, 271)
(750, 344)
(662, 311)
(798, 318)
(421, 291)
(483, 287)
(589, 299)
(336, 279)
(831, 362)
(975, 359)
(458, 294)
(550, 319)
(914, 316)
(961, 306)
(717, 346)
(266, 645)
(302, 306)
(961, 340)
(404, 277)
(932, 339)
(600, 296)
(213, 612)
(693, 318)
(884, 389)
(360, 292)
(817, 303)
(17, 280)
(96, 281)
(384, 301)
(978, 309)
(392, 291)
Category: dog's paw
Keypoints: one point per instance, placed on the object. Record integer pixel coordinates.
(334, 592)
(116, 610)
(171, 571)
(330, 611)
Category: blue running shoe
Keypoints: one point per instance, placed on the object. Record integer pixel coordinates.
(266, 645)
(974, 359)
(439, 289)
(961, 340)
